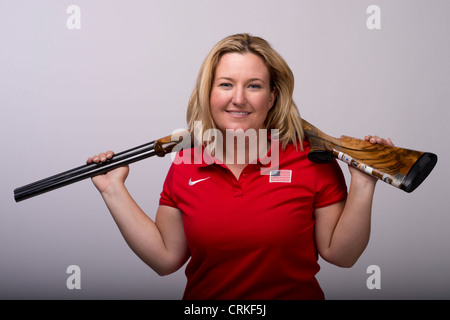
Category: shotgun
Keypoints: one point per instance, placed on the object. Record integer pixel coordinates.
(402, 168)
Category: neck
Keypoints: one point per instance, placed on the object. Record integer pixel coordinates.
(243, 148)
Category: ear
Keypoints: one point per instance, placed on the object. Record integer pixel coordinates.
(273, 97)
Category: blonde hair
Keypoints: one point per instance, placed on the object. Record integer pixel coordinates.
(284, 114)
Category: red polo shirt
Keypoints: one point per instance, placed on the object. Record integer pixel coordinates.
(253, 237)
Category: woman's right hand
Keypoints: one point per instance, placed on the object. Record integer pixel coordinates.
(104, 181)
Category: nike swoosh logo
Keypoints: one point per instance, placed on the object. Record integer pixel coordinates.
(191, 183)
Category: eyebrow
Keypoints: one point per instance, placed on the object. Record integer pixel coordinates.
(250, 80)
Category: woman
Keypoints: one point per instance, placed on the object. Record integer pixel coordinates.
(248, 235)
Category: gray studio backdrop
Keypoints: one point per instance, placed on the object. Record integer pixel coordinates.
(79, 77)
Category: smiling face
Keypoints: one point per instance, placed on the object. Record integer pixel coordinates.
(241, 94)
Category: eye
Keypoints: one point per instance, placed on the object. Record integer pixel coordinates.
(255, 86)
(225, 85)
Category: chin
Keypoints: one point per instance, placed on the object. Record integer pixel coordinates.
(239, 127)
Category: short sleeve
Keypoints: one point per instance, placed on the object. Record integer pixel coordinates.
(166, 197)
(330, 184)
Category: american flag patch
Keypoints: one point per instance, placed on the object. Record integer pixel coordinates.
(280, 176)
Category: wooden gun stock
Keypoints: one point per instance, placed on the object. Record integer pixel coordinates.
(402, 168)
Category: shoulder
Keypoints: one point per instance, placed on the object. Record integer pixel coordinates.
(187, 162)
(297, 155)
(297, 152)
(187, 157)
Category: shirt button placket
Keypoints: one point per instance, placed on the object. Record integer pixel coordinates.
(237, 188)
(237, 191)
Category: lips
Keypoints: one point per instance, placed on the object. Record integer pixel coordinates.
(238, 113)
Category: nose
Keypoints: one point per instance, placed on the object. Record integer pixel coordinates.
(239, 98)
